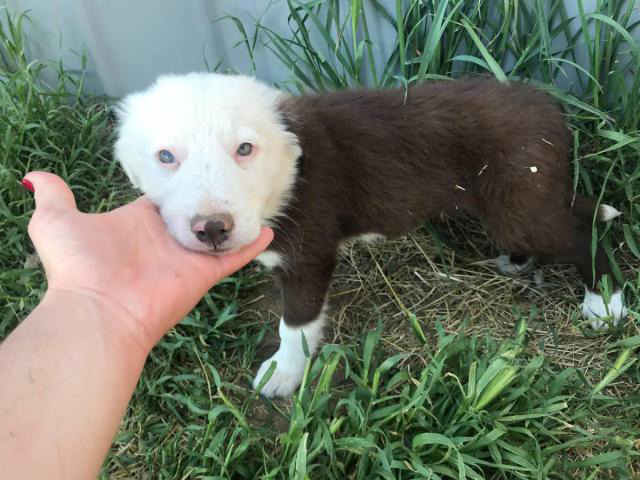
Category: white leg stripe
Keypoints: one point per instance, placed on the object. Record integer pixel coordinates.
(595, 309)
(290, 357)
(504, 265)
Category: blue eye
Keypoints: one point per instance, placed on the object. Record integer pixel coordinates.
(165, 156)
(244, 149)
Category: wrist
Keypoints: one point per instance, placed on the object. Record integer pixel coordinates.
(74, 359)
(111, 322)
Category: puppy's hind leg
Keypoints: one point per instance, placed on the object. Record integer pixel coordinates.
(565, 235)
(304, 291)
(594, 307)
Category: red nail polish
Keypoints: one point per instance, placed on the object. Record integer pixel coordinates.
(27, 184)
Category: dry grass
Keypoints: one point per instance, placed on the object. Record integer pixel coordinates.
(458, 284)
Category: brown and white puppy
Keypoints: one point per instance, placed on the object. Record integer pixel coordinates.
(222, 155)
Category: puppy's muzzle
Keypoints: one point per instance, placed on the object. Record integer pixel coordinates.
(214, 229)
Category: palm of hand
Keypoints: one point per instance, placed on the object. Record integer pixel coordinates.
(126, 259)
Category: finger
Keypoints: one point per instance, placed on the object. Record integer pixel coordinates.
(141, 204)
(144, 202)
(50, 191)
(236, 260)
(219, 267)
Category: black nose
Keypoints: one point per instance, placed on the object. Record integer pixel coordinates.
(214, 230)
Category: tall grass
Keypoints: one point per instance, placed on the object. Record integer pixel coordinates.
(50, 127)
(459, 406)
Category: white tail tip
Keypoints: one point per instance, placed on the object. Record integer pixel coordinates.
(607, 212)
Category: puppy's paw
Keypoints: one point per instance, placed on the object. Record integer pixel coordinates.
(285, 379)
(514, 264)
(596, 310)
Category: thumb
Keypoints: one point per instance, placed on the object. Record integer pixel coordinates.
(217, 268)
(234, 261)
(50, 191)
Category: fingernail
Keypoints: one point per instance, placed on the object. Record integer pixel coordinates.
(27, 184)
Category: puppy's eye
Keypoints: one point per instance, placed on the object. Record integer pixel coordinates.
(244, 149)
(166, 157)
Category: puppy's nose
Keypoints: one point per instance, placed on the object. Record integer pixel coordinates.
(214, 229)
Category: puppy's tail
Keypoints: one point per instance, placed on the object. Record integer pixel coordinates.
(584, 207)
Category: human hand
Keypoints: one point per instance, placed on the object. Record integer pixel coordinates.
(124, 261)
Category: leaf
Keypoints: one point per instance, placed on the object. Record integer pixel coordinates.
(423, 439)
(491, 63)
(355, 444)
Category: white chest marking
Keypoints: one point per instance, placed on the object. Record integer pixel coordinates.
(270, 259)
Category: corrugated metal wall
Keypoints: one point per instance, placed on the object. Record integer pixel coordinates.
(130, 42)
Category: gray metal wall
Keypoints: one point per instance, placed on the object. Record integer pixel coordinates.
(129, 42)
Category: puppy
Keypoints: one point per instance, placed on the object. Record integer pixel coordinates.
(222, 155)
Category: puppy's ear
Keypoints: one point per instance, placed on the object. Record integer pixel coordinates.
(288, 123)
(293, 143)
(133, 177)
(125, 148)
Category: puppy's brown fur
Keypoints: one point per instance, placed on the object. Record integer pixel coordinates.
(377, 162)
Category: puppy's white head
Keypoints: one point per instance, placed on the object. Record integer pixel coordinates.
(212, 153)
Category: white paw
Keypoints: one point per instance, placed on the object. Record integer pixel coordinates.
(285, 379)
(595, 310)
(504, 265)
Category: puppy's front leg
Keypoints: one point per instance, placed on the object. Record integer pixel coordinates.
(304, 297)
(290, 358)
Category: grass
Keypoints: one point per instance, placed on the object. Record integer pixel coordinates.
(436, 367)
